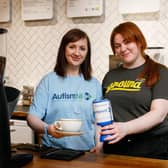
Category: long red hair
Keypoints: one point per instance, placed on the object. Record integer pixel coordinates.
(132, 33)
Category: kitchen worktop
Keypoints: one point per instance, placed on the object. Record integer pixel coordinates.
(98, 161)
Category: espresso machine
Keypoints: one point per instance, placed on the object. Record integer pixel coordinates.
(12, 93)
(7, 160)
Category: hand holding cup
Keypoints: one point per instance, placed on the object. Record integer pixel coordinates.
(68, 125)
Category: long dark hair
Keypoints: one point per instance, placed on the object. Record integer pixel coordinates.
(131, 32)
(73, 35)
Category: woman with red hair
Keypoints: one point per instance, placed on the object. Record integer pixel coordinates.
(138, 93)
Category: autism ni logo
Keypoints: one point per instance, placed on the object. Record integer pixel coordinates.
(71, 96)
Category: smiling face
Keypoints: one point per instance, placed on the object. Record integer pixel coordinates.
(128, 42)
(128, 52)
(75, 53)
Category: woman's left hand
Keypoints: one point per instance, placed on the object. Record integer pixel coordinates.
(117, 131)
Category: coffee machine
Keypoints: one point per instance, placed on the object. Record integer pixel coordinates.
(7, 160)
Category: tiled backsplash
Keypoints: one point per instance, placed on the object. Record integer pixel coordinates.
(32, 46)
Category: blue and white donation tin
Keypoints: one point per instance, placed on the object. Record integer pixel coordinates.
(103, 114)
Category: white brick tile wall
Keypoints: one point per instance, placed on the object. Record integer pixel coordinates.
(32, 46)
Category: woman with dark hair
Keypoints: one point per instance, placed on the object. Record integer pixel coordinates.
(67, 92)
(62, 63)
(139, 97)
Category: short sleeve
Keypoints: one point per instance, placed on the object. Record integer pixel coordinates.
(160, 90)
(99, 90)
(40, 99)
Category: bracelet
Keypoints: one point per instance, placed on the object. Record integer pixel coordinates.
(46, 129)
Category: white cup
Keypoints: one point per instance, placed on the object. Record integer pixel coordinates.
(71, 125)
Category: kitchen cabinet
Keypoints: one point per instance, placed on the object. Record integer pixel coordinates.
(21, 132)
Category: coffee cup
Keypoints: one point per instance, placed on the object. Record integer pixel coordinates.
(70, 125)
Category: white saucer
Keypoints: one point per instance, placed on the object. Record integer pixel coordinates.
(69, 133)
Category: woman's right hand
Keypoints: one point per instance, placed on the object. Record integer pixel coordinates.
(52, 131)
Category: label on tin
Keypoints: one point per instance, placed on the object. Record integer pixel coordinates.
(103, 112)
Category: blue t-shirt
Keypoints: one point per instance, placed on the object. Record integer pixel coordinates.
(69, 97)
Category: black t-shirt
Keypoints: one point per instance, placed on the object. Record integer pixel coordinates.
(129, 96)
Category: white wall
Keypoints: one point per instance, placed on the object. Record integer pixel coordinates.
(32, 46)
